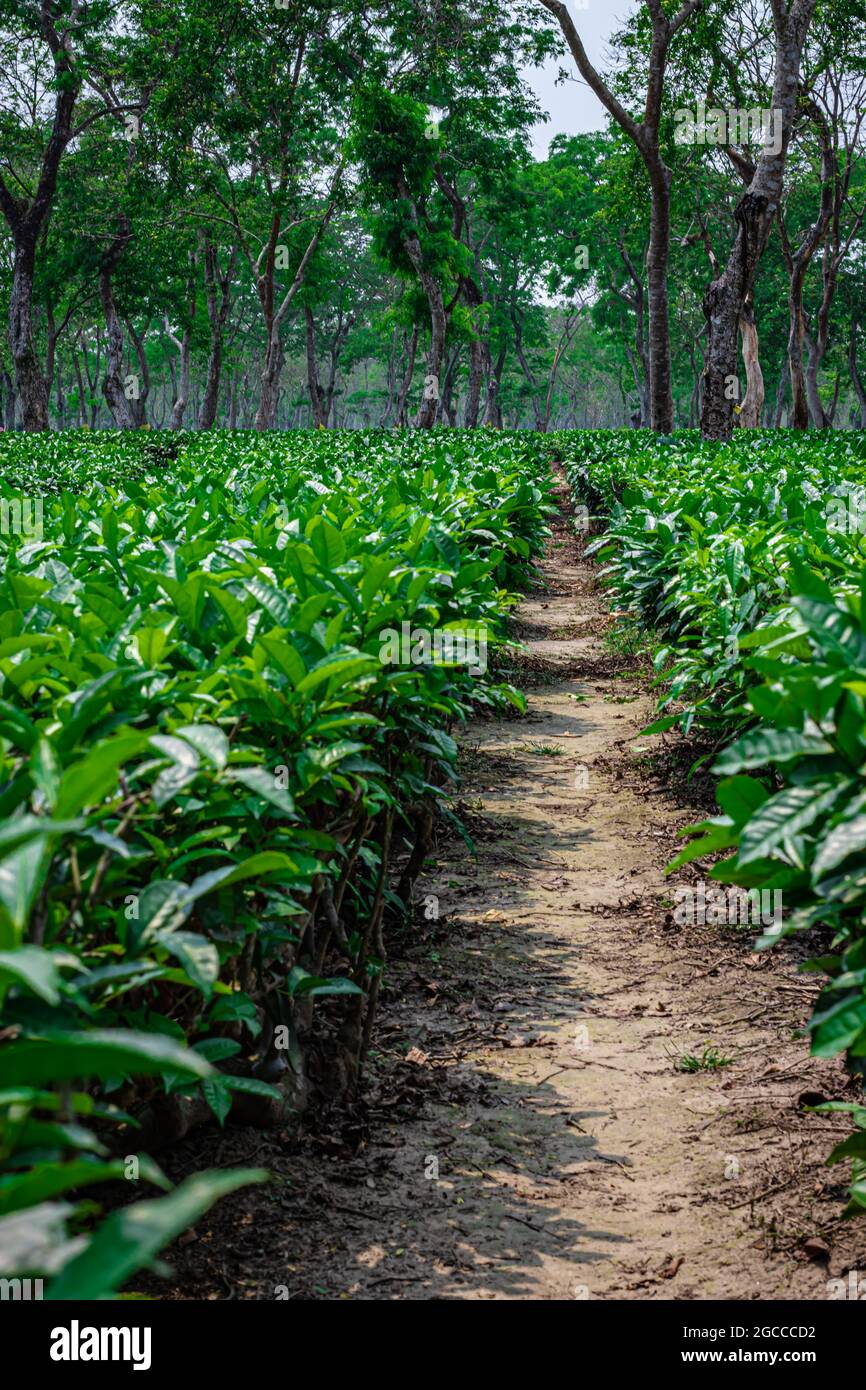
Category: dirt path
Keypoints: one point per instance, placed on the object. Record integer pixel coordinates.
(527, 1133)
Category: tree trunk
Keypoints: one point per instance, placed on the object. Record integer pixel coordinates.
(93, 382)
(780, 395)
(480, 365)
(429, 407)
(641, 386)
(427, 410)
(473, 390)
(317, 404)
(391, 378)
(32, 390)
(179, 406)
(645, 136)
(492, 408)
(755, 212)
(723, 306)
(266, 415)
(753, 401)
(244, 408)
(217, 313)
(138, 402)
(526, 368)
(562, 346)
(831, 414)
(113, 385)
(180, 385)
(820, 419)
(274, 316)
(60, 397)
(9, 413)
(799, 416)
(406, 385)
(184, 347)
(798, 263)
(854, 371)
(27, 219)
(658, 255)
(638, 359)
(210, 399)
(447, 407)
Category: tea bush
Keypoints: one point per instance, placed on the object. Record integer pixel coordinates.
(748, 560)
(213, 763)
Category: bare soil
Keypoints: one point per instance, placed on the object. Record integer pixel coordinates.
(526, 1131)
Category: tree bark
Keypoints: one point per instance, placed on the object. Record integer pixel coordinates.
(473, 388)
(645, 136)
(755, 212)
(93, 381)
(818, 415)
(492, 407)
(797, 263)
(391, 378)
(138, 404)
(638, 359)
(429, 407)
(184, 347)
(525, 367)
(9, 410)
(112, 385)
(780, 395)
(217, 313)
(32, 391)
(799, 414)
(856, 379)
(753, 402)
(317, 404)
(60, 397)
(82, 394)
(406, 384)
(836, 178)
(658, 255)
(480, 365)
(428, 410)
(26, 220)
(565, 337)
(266, 415)
(447, 404)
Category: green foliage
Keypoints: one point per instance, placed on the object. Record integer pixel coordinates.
(704, 540)
(749, 558)
(208, 765)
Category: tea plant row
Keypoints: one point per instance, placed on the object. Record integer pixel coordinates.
(216, 786)
(747, 562)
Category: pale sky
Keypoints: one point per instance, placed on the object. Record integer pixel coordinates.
(572, 107)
